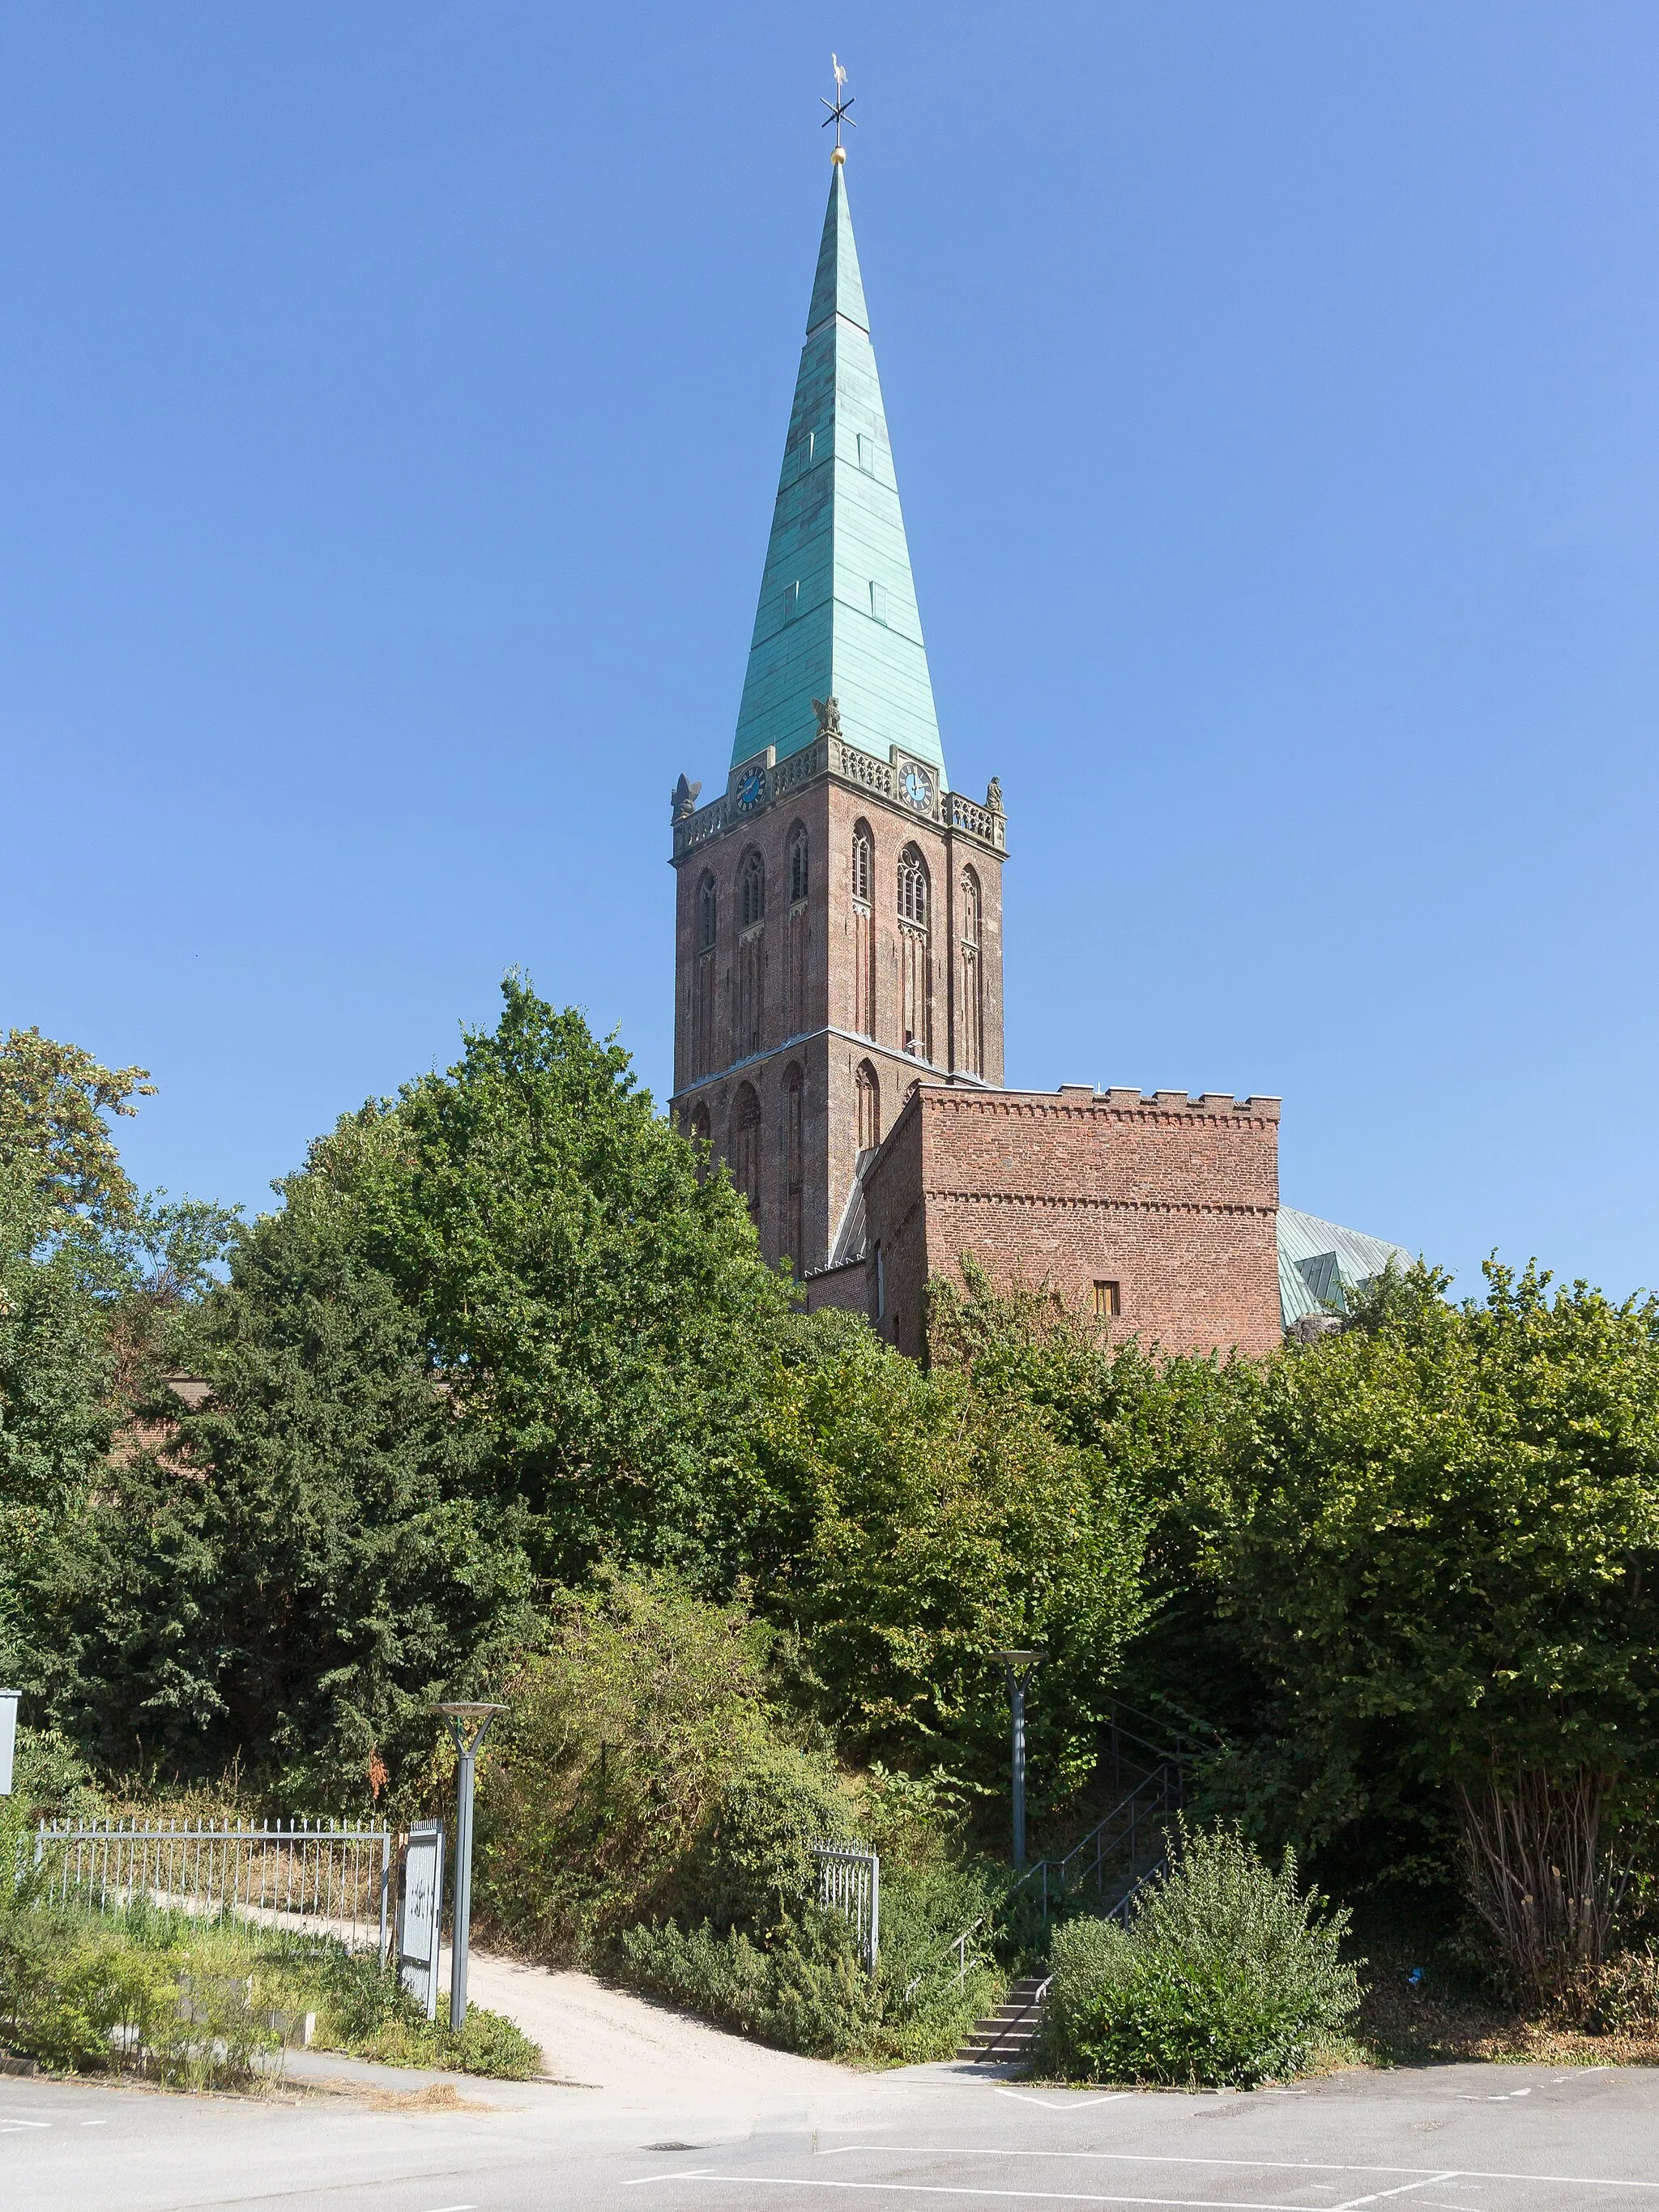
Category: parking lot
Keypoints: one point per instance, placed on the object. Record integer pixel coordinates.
(1478, 2139)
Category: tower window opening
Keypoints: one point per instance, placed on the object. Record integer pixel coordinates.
(878, 602)
(751, 891)
(861, 865)
(798, 867)
(1107, 1301)
(867, 1085)
(913, 888)
(708, 914)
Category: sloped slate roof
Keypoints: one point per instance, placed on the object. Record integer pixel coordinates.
(1318, 1259)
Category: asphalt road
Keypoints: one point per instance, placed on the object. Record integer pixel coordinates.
(1479, 2139)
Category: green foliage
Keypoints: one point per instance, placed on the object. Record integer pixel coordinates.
(1227, 1976)
(807, 1991)
(599, 1310)
(752, 1866)
(53, 1098)
(609, 1766)
(1442, 1553)
(308, 1564)
(946, 1522)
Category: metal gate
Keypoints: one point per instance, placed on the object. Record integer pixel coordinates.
(315, 1877)
(850, 1882)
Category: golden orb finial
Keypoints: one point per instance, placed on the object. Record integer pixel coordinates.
(838, 154)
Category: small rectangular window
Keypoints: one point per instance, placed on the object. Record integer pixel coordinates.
(791, 602)
(878, 602)
(866, 454)
(1106, 1301)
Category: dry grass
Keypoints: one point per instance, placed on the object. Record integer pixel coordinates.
(437, 2097)
(1426, 2026)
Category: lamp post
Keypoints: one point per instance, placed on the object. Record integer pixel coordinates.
(1019, 1665)
(469, 1723)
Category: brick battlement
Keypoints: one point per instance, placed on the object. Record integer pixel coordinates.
(1148, 1105)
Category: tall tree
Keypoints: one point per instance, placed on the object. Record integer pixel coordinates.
(595, 1301)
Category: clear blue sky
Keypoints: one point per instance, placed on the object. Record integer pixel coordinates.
(392, 401)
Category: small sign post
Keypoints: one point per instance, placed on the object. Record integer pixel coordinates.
(8, 1737)
(421, 1914)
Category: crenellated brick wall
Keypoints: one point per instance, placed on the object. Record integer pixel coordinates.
(1173, 1200)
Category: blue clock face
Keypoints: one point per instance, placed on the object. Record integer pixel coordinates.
(750, 790)
(917, 787)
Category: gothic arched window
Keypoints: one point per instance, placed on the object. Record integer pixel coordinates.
(746, 1145)
(864, 932)
(913, 887)
(867, 1085)
(971, 1042)
(794, 1170)
(698, 1130)
(795, 934)
(751, 891)
(915, 955)
(702, 981)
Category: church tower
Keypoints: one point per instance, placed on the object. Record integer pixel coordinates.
(839, 931)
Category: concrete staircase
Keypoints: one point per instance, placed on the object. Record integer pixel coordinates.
(1010, 2031)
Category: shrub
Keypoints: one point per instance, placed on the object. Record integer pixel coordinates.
(1228, 1975)
(754, 1866)
(807, 1991)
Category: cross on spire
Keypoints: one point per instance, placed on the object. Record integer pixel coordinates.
(838, 108)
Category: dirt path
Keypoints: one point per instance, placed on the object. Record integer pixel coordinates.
(634, 2048)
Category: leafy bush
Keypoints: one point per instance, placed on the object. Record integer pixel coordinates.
(197, 2002)
(638, 1738)
(754, 1867)
(1227, 1976)
(807, 1991)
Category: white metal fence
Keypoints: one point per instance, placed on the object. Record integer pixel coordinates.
(314, 1877)
(850, 1882)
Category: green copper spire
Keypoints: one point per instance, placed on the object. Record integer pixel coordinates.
(837, 616)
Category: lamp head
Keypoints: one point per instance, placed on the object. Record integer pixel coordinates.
(468, 1720)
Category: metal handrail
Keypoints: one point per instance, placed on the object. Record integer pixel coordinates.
(959, 1945)
(1165, 1781)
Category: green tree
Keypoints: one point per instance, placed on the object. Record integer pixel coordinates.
(596, 1302)
(1445, 1560)
(314, 1555)
(947, 1521)
(53, 1099)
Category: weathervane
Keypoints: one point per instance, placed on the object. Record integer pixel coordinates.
(838, 108)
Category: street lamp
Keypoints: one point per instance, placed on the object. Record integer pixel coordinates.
(469, 1723)
(1019, 1665)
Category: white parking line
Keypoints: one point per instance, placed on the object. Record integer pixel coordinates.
(1401, 2189)
(1004, 2195)
(1415, 2173)
(1069, 2104)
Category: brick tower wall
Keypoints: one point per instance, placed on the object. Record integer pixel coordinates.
(813, 1019)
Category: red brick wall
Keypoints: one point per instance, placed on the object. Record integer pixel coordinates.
(1173, 1200)
(823, 1041)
